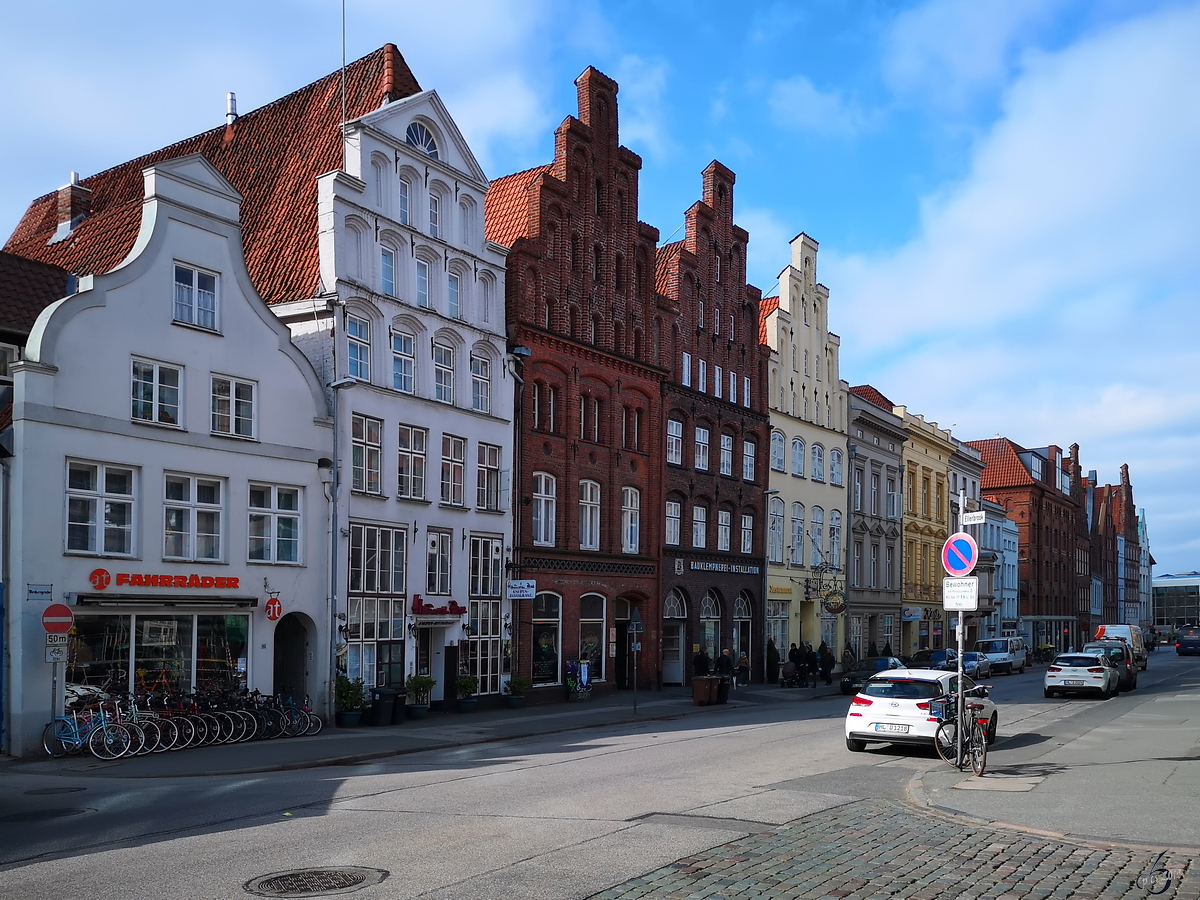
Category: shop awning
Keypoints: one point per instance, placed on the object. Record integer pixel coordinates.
(200, 600)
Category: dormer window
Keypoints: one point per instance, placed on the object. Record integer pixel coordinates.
(421, 137)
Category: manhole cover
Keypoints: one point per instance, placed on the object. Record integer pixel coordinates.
(55, 790)
(45, 815)
(315, 882)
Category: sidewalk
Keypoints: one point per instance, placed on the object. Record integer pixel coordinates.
(345, 746)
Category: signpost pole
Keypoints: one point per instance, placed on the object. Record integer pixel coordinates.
(962, 721)
(635, 634)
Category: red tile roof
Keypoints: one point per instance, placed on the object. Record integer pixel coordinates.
(1001, 466)
(765, 308)
(506, 211)
(272, 155)
(872, 395)
(26, 288)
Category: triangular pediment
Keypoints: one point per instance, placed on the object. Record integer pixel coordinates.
(453, 151)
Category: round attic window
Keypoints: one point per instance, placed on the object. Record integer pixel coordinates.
(420, 137)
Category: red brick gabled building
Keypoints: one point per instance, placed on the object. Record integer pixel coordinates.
(585, 319)
(1035, 488)
(717, 429)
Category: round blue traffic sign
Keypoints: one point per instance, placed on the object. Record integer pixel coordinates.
(959, 554)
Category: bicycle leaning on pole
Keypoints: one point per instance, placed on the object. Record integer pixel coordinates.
(972, 748)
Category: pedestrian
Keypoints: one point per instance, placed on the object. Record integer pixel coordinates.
(812, 664)
(700, 663)
(743, 669)
(725, 665)
(796, 657)
(827, 662)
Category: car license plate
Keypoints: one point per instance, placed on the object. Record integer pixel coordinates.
(1074, 682)
(894, 729)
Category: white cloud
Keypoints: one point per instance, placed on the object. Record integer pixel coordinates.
(1052, 294)
(645, 122)
(768, 233)
(798, 105)
(945, 52)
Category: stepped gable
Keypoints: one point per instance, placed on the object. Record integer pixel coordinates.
(272, 155)
(872, 395)
(1002, 467)
(26, 288)
(507, 209)
(768, 306)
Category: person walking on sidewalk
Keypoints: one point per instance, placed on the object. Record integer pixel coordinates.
(725, 666)
(811, 664)
(743, 669)
(827, 662)
(700, 663)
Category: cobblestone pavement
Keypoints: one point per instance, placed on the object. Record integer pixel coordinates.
(886, 849)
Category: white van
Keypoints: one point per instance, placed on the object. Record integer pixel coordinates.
(1005, 654)
(1130, 634)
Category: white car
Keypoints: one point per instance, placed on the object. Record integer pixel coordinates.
(1081, 673)
(894, 707)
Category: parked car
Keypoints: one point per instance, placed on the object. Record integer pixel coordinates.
(1187, 640)
(1130, 634)
(893, 706)
(934, 659)
(1007, 654)
(1080, 673)
(858, 674)
(977, 665)
(1122, 659)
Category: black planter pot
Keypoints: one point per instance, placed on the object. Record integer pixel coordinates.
(514, 701)
(467, 704)
(348, 718)
(417, 711)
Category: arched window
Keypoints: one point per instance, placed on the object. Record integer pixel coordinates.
(710, 622)
(675, 607)
(421, 137)
(775, 532)
(777, 451)
(818, 463)
(710, 606)
(835, 466)
(817, 537)
(798, 457)
(742, 606)
(797, 553)
(835, 539)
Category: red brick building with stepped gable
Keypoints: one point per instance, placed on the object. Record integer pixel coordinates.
(717, 430)
(584, 316)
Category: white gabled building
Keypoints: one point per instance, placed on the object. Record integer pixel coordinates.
(170, 451)
(409, 330)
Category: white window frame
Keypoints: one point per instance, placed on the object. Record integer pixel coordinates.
(631, 520)
(718, 383)
(435, 214)
(818, 463)
(746, 391)
(747, 534)
(775, 531)
(674, 442)
(777, 444)
(404, 362)
(835, 466)
(194, 510)
(545, 501)
(366, 454)
(702, 375)
(816, 536)
(589, 515)
(164, 402)
(674, 517)
(481, 383)
(699, 526)
(438, 562)
(798, 457)
(358, 347)
(194, 303)
(274, 524)
(99, 527)
(233, 414)
(687, 370)
(724, 529)
(796, 557)
(487, 482)
(454, 295)
(454, 470)
(443, 373)
(749, 452)
(387, 271)
(404, 194)
(412, 444)
(422, 276)
(701, 448)
(726, 454)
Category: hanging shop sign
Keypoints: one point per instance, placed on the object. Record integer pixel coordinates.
(274, 609)
(834, 602)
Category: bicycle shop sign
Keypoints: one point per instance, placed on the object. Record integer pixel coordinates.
(101, 579)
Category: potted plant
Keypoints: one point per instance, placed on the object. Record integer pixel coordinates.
(515, 689)
(465, 685)
(349, 697)
(418, 688)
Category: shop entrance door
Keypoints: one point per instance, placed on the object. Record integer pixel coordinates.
(291, 655)
(672, 652)
(389, 663)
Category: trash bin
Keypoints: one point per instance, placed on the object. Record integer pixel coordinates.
(383, 701)
(722, 690)
(398, 709)
(704, 690)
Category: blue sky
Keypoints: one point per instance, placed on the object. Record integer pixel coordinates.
(1005, 191)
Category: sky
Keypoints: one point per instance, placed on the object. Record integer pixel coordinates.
(1005, 192)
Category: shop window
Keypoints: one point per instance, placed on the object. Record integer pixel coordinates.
(547, 620)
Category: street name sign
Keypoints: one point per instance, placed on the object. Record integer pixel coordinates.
(960, 593)
(959, 554)
(974, 518)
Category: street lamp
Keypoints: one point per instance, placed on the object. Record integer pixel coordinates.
(337, 387)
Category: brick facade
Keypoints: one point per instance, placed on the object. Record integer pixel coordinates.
(715, 407)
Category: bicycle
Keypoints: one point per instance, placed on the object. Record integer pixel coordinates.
(973, 750)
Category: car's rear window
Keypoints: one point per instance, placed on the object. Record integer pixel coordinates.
(1189, 632)
(1076, 661)
(903, 690)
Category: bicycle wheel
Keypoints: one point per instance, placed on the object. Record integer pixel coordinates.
(295, 721)
(109, 740)
(137, 738)
(153, 735)
(978, 751)
(58, 737)
(314, 724)
(168, 735)
(946, 742)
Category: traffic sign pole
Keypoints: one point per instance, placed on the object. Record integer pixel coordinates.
(962, 508)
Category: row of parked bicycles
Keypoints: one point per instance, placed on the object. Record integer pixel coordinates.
(112, 725)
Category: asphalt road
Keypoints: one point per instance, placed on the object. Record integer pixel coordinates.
(615, 810)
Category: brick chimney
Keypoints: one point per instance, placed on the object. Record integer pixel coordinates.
(74, 204)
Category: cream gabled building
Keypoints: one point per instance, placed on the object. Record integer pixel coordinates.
(807, 524)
